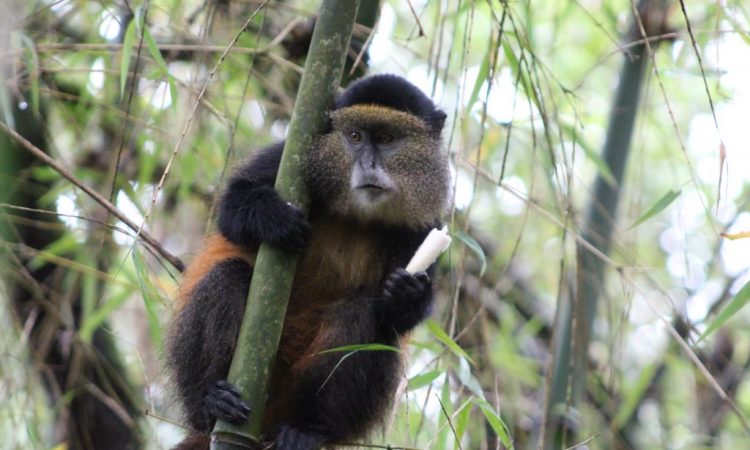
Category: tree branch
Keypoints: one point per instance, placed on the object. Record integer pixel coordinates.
(38, 153)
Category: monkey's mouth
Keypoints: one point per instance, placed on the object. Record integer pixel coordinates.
(371, 187)
(374, 192)
(370, 194)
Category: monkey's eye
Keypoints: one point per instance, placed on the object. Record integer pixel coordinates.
(355, 137)
(384, 138)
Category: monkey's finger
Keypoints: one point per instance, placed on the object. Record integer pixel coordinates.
(294, 211)
(303, 230)
(389, 285)
(228, 387)
(400, 272)
(407, 281)
(226, 396)
(422, 277)
(294, 235)
(232, 412)
(394, 277)
(299, 230)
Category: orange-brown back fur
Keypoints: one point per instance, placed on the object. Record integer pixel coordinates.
(216, 248)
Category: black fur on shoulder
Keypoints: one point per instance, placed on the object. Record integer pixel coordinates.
(394, 92)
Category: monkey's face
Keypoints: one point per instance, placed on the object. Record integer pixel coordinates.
(380, 165)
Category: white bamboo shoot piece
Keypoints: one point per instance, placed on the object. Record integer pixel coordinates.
(436, 242)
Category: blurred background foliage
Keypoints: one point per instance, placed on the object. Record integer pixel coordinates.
(150, 103)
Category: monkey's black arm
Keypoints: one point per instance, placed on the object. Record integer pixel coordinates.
(251, 212)
(201, 342)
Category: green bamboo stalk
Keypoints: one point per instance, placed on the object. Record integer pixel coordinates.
(274, 269)
(576, 313)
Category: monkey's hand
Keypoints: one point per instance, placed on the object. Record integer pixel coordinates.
(223, 401)
(407, 300)
(251, 214)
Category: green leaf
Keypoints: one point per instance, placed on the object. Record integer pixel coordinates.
(511, 58)
(604, 171)
(658, 207)
(633, 396)
(475, 247)
(89, 284)
(739, 300)
(95, 319)
(127, 52)
(482, 75)
(495, 421)
(172, 90)
(461, 422)
(153, 49)
(361, 347)
(32, 67)
(468, 379)
(45, 173)
(518, 71)
(423, 379)
(445, 404)
(60, 247)
(130, 193)
(443, 337)
(737, 26)
(151, 298)
(7, 109)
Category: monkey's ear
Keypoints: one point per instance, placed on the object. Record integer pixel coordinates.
(437, 120)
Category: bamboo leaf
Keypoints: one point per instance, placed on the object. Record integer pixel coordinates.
(737, 25)
(523, 76)
(632, 398)
(96, 318)
(127, 52)
(739, 300)
(495, 421)
(32, 66)
(484, 70)
(658, 207)
(151, 298)
(423, 379)
(474, 247)
(572, 133)
(445, 404)
(153, 50)
(361, 347)
(163, 71)
(468, 379)
(89, 284)
(462, 419)
(443, 337)
(67, 243)
(6, 109)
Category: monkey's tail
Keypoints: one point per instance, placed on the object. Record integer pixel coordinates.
(194, 441)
